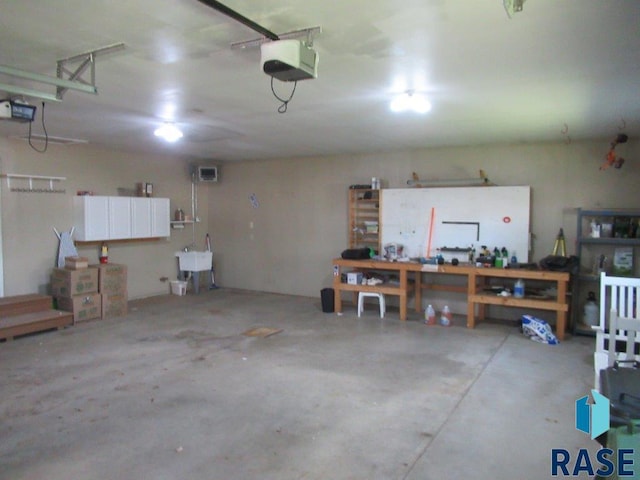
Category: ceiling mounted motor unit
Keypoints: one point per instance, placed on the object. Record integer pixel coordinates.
(289, 60)
(207, 173)
(17, 111)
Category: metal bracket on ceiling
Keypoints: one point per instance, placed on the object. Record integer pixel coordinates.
(87, 59)
(303, 32)
(74, 82)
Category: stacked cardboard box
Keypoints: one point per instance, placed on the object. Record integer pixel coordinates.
(112, 285)
(75, 289)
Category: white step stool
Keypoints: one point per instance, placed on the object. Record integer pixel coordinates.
(379, 296)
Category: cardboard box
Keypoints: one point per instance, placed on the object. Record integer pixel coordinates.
(114, 305)
(66, 283)
(84, 307)
(112, 278)
(354, 278)
(76, 263)
(623, 262)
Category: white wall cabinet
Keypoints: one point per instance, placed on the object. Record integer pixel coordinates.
(98, 218)
(160, 217)
(91, 218)
(141, 217)
(119, 218)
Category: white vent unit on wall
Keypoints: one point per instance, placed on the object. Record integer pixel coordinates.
(207, 173)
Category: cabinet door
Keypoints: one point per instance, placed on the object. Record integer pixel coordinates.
(119, 218)
(160, 217)
(140, 217)
(91, 218)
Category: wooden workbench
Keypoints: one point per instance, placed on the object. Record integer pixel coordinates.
(477, 278)
(401, 289)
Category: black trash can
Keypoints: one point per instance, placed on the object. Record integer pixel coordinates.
(327, 297)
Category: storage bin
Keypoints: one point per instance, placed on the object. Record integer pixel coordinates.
(178, 287)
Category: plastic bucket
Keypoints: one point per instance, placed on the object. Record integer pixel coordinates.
(327, 298)
(178, 287)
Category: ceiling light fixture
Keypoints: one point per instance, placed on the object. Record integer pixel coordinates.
(410, 101)
(168, 132)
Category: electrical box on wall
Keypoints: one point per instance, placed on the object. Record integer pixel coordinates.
(207, 173)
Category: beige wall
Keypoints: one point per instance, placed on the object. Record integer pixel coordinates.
(301, 221)
(285, 245)
(29, 244)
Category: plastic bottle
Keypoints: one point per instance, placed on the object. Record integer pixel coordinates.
(445, 317)
(591, 310)
(514, 258)
(518, 290)
(430, 316)
(505, 257)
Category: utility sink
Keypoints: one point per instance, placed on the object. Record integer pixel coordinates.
(194, 261)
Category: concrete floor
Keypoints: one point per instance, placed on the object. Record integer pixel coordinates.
(175, 391)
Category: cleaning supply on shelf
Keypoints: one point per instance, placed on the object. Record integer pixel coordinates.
(445, 317)
(430, 316)
(518, 289)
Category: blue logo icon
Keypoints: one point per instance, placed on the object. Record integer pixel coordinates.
(592, 418)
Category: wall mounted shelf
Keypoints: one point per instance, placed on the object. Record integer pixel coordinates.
(179, 224)
(30, 179)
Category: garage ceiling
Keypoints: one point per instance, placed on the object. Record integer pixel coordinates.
(558, 71)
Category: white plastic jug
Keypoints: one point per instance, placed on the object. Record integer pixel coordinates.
(591, 315)
(518, 290)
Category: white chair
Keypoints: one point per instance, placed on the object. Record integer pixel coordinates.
(379, 296)
(619, 322)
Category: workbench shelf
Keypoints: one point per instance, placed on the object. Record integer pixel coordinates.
(477, 280)
(599, 233)
(364, 218)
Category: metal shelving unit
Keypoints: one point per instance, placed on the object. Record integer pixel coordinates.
(590, 249)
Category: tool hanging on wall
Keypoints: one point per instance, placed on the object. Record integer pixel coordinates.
(560, 246)
(463, 182)
(611, 157)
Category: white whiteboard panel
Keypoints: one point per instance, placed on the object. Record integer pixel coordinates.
(461, 216)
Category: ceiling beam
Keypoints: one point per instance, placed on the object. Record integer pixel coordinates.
(27, 92)
(240, 18)
(58, 82)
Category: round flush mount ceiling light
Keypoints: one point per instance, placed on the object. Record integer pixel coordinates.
(168, 132)
(410, 101)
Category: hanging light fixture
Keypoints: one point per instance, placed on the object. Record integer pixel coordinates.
(168, 132)
(410, 101)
